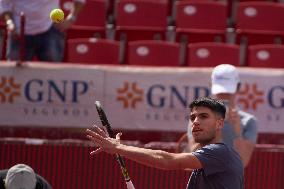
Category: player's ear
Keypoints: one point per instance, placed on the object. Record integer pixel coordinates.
(220, 123)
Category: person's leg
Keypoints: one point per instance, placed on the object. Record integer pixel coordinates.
(51, 45)
(13, 48)
(30, 47)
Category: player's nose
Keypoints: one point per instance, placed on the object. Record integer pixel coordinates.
(194, 123)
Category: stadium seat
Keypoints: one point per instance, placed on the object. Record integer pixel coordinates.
(168, 2)
(93, 51)
(210, 54)
(266, 55)
(200, 21)
(260, 23)
(153, 53)
(91, 21)
(141, 20)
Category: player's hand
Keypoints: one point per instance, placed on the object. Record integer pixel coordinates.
(64, 25)
(100, 138)
(235, 120)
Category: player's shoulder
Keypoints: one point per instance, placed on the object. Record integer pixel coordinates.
(216, 148)
(222, 150)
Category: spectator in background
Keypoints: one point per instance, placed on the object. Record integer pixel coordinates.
(22, 176)
(43, 39)
(240, 128)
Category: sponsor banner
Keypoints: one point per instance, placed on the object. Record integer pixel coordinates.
(157, 99)
(136, 98)
(51, 96)
(154, 99)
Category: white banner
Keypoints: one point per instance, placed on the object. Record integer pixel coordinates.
(49, 95)
(136, 98)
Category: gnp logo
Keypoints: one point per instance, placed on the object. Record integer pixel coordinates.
(9, 89)
(46, 96)
(38, 90)
(249, 96)
(130, 95)
(158, 95)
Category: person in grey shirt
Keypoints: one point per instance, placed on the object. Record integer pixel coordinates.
(240, 128)
(214, 166)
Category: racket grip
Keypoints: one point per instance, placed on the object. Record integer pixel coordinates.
(130, 185)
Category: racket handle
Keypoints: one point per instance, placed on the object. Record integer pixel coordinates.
(130, 185)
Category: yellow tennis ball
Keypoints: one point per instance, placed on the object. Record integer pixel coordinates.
(57, 15)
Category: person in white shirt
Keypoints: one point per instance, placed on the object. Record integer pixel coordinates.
(43, 39)
(240, 128)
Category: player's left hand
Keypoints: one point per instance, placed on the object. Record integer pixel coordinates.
(235, 120)
(100, 138)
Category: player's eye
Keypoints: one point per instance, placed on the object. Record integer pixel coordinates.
(203, 116)
(192, 118)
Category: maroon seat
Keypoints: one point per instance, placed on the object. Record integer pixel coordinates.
(91, 21)
(260, 23)
(267, 55)
(200, 21)
(153, 53)
(211, 54)
(93, 51)
(141, 20)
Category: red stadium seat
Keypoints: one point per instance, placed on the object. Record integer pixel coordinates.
(208, 54)
(168, 2)
(260, 23)
(267, 55)
(201, 21)
(153, 53)
(141, 20)
(91, 21)
(93, 51)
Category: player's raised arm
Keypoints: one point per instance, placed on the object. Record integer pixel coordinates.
(154, 158)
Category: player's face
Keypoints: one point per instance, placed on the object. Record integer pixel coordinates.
(204, 124)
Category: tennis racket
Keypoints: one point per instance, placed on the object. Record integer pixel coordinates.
(111, 134)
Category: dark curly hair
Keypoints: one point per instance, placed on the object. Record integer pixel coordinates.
(213, 104)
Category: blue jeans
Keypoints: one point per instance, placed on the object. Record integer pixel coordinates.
(48, 46)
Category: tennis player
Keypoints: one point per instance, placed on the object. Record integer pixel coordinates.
(214, 165)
